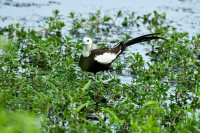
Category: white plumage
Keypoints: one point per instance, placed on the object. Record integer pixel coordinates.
(106, 58)
(87, 47)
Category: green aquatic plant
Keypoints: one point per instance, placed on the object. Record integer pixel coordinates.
(20, 121)
(40, 74)
(6, 44)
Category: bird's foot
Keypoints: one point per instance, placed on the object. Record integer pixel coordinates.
(104, 81)
(95, 79)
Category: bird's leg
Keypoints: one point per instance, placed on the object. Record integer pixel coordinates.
(109, 79)
(95, 78)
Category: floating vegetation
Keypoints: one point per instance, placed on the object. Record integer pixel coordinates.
(40, 74)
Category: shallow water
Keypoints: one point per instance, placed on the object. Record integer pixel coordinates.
(182, 14)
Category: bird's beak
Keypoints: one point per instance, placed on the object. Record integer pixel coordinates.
(83, 43)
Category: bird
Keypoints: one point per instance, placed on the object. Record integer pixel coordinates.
(99, 60)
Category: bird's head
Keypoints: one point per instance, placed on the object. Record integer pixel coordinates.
(87, 42)
(88, 46)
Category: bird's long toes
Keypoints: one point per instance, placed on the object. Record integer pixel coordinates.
(106, 81)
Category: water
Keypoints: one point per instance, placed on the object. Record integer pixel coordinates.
(182, 14)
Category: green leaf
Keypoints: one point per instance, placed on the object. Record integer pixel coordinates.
(80, 107)
(102, 121)
(163, 15)
(87, 121)
(113, 115)
(119, 13)
(72, 14)
(150, 103)
(135, 127)
(107, 18)
(178, 125)
(33, 91)
(86, 86)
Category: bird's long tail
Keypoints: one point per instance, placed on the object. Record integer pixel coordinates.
(143, 38)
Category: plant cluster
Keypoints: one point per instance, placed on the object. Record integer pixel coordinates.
(97, 24)
(39, 73)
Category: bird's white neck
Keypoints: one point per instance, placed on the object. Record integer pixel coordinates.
(86, 51)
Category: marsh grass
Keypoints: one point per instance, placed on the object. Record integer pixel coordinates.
(6, 44)
(40, 74)
(19, 121)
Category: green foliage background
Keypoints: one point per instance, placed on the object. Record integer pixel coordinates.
(39, 74)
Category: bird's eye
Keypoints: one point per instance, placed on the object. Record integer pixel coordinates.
(88, 40)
